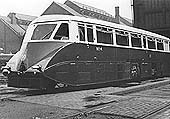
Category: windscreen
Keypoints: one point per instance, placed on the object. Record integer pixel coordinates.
(43, 31)
(62, 32)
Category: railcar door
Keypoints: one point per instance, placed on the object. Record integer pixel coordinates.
(156, 69)
(145, 69)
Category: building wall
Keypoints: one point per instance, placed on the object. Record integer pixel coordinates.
(152, 15)
(13, 41)
(9, 40)
(2, 34)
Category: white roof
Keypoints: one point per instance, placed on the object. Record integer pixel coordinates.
(50, 18)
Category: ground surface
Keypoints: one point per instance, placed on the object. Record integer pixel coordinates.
(150, 100)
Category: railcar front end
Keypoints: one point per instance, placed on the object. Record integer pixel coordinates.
(43, 41)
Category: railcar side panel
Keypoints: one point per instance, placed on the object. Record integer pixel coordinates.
(82, 64)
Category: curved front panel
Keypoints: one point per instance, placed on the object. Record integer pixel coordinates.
(38, 51)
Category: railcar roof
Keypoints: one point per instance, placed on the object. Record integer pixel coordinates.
(52, 18)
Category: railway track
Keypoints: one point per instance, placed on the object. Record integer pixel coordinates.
(8, 92)
(4, 90)
(97, 102)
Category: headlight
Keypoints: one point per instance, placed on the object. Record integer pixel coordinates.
(37, 67)
(6, 70)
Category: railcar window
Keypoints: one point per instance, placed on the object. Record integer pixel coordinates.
(90, 37)
(104, 35)
(62, 32)
(144, 41)
(81, 29)
(160, 44)
(151, 43)
(166, 45)
(43, 31)
(122, 38)
(136, 40)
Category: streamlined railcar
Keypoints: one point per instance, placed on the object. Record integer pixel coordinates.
(62, 50)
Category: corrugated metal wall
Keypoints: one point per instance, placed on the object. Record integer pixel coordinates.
(152, 15)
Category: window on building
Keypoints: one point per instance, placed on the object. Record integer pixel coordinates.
(43, 31)
(136, 40)
(160, 45)
(104, 35)
(62, 32)
(122, 38)
(90, 37)
(144, 41)
(81, 29)
(151, 43)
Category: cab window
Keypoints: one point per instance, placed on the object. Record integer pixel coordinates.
(62, 32)
(43, 31)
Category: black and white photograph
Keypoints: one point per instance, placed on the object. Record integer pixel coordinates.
(85, 59)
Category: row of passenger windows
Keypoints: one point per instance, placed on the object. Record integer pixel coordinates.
(105, 35)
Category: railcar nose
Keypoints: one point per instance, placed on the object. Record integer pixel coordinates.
(41, 52)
